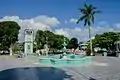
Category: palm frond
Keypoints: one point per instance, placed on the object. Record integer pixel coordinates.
(90, 6)
(83, 11)
(94, 8)
(86, 6)
(89, 23)
(89, 9)
(81, 18)
(78, 21)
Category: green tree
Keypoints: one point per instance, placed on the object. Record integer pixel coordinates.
(16, 48)
(39, 39)
(54, 41)
(88, 13)
(106, 40)
(73, 43)
(9, 31)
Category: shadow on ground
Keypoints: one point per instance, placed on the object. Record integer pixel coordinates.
(34, 73)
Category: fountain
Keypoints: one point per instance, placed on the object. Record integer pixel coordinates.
(64, 56)
(64, 59)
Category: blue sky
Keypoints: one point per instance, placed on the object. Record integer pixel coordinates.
(63, 10)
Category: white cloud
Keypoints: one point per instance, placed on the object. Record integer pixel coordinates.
(45, 22)
(62, 32)
(82, 33)
(41, 22)
(75, 32)
(73, 20)
(78, 29)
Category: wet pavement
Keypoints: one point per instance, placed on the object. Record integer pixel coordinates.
(102, 68)
(34, 73)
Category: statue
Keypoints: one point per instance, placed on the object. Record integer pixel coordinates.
(11, 52)
(38, 52)
(45, 49)
(64, 56)
(64, 47)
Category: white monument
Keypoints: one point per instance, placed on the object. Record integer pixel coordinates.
(28, 46)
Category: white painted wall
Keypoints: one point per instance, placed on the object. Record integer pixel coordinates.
(28, 46)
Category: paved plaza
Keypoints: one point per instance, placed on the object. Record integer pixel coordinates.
(101, 68)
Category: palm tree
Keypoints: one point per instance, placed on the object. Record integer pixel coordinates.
(88, 13)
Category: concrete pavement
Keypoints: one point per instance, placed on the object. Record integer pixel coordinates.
(102, 68)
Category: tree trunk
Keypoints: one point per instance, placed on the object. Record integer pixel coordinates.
(90, 41)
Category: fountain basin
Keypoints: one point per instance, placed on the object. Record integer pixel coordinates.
(55, 61)
(68, 55)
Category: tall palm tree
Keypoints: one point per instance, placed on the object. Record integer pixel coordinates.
(88, 13)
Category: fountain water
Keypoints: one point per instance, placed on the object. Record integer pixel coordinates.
(64, 56)
(64, 46)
